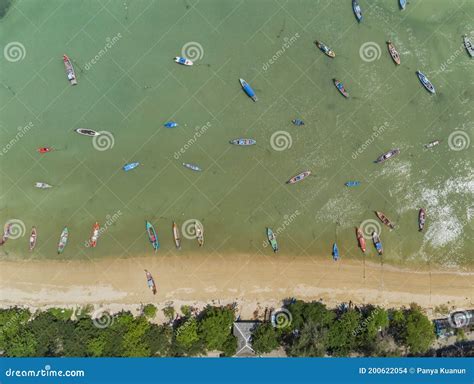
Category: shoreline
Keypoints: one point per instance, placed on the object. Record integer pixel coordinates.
(252, 282)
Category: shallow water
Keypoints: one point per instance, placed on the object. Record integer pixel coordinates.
(129, 86)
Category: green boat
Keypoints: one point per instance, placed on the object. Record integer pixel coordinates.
(272, 239)
(63, 240)
(152, 236)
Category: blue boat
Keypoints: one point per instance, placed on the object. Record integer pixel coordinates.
(297, 122)
(171, 124)
(335, 252)
(357, 10)
(377, 243)
(352, 183)
(130, 166)
(193, 167)
(402, 3)
(243, 141)
(425, 82)
(248, 89)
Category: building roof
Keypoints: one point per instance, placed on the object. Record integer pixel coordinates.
(242, 330)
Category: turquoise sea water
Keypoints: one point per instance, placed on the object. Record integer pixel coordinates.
(129, 86)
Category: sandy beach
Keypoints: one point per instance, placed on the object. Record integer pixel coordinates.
(255, 283)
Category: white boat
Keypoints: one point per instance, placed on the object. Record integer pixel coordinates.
(42, 185)
(87, 132)
(199, 233)
(468, 45)
(182, 61)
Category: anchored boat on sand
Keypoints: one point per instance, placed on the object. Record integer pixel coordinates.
(150, 282)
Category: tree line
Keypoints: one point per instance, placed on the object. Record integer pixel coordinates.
(311, 329)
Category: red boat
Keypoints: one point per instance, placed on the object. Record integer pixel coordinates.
(45, 149)
(94, 235)
(360, 239)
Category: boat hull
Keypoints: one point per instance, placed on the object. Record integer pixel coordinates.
(360, 239)
(199, 230)
(272, 240)
(243, 142)
(340, 88)
(425, 82)
(299, 177)
(33, 238)
(248, 90)
(421, 219)
(70, 73)
(63, 240)
(87, 132)
(388, 155)
(152, 236)
(384, 219)
(176, 237)
(393, 53)
(94, 235)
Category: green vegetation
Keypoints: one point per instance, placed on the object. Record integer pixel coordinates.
(311, 330)
(264, 339)
(149, 311)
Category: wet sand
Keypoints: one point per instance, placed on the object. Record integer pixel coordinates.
(253, 282)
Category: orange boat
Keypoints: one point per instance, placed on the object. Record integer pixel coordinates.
(393, 52)
(360, 239)
(95, 235)
(384, 219)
